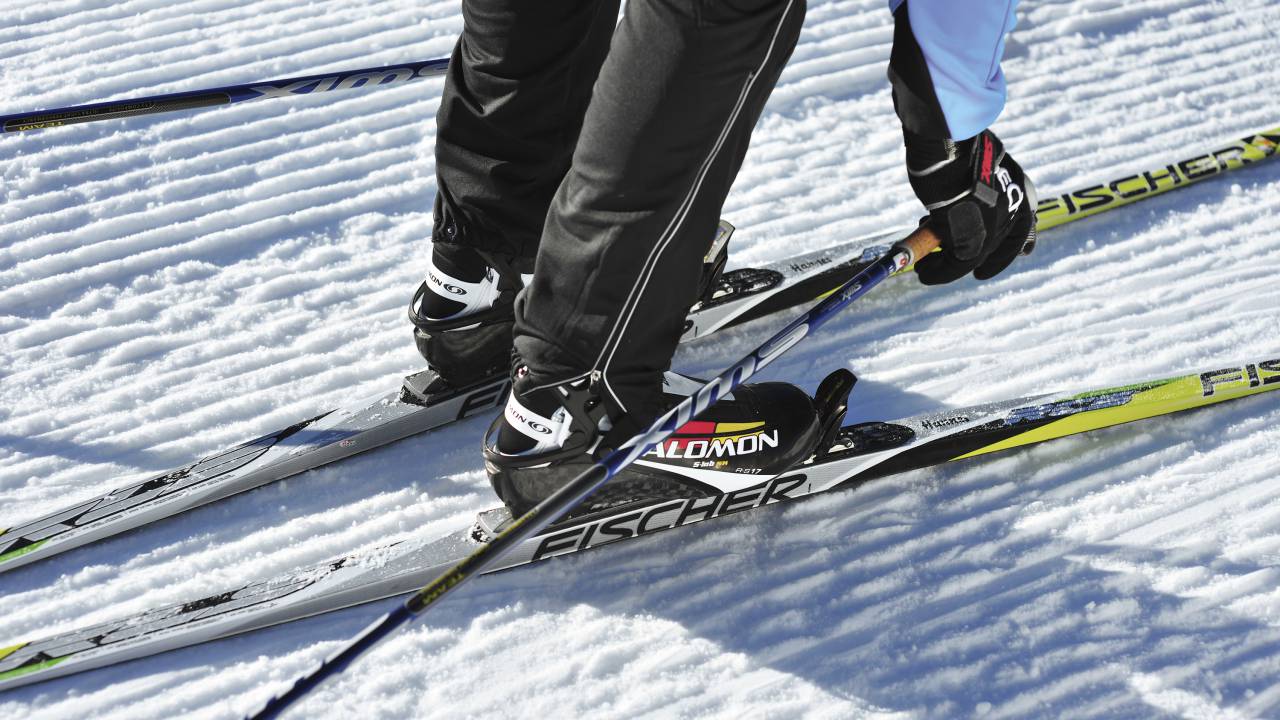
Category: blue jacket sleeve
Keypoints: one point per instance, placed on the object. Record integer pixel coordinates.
(963, 42)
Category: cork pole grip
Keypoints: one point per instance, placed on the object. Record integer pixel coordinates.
(920, 243)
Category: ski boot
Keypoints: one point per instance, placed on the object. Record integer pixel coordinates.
(463, 313)
(547, 436)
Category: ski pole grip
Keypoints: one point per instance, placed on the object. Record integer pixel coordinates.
(920, 243)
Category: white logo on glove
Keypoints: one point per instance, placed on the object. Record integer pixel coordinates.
(1012, 191)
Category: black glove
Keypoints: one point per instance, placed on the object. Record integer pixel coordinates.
(980, 204)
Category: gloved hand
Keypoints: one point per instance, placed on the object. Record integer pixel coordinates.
(980, 203)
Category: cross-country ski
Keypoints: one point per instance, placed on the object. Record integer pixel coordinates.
(738, 296)
(283, 383)
(855, 454)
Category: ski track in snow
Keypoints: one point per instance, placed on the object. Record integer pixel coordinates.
(172, 285)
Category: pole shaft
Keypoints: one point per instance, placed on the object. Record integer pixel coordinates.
(229, 95)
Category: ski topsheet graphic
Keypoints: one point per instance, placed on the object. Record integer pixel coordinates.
(742, 295)
(859, 453)
(1054, 211)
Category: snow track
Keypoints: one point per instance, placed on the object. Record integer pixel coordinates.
(170, 285)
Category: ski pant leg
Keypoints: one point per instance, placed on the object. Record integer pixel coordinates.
(518, 84)
(664, 137)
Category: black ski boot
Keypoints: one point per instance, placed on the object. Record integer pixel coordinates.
(463, 312)
(545, 437)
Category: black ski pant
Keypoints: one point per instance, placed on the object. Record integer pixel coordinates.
(606, 155)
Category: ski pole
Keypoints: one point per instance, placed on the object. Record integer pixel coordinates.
(901, 256)
(231, 94)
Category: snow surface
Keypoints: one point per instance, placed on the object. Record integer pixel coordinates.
(175, 284)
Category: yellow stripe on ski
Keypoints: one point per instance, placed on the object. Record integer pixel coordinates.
(1169, 396)
(6, 652)
(1061, 209)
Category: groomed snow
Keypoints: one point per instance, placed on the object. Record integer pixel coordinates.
(172, 285)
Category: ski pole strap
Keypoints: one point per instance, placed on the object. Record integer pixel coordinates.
(287, 87)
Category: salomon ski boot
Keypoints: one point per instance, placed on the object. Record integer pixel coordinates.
(547, 436)
(463, 312)
(463, 315)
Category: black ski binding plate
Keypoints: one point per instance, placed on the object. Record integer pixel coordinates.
(871, 437)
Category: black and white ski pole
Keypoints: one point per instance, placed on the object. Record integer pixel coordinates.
(231, 94)
(901, 256)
